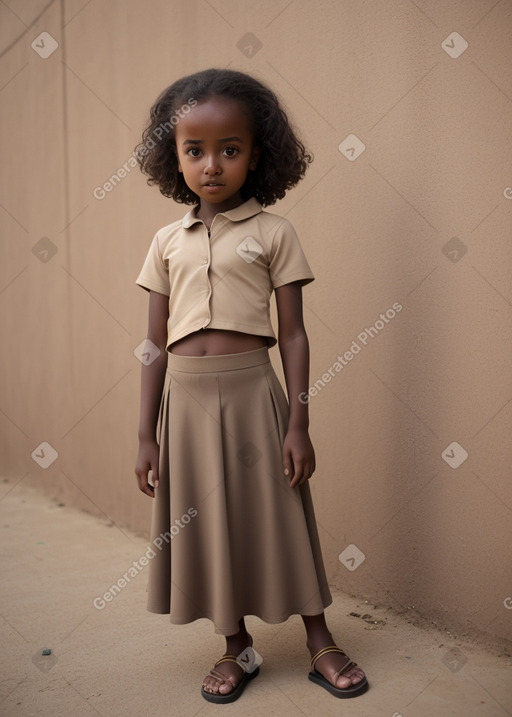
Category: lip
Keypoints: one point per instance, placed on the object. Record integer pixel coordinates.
(213, 187)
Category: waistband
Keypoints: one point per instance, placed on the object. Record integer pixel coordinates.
(218, 362)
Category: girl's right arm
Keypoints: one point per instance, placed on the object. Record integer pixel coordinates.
(152, 383)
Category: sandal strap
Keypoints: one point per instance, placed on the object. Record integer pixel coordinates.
(346, 667)
(227, 658)
(222, 677)
(325, 651)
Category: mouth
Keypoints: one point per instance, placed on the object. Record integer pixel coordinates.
(213, 184)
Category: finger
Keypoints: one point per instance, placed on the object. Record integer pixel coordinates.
(287, 463)
(309, 469)
(299, 472)
(154, 476)
(148, 490)
(142, 480)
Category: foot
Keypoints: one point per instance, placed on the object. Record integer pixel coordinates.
(338, 669)
(224, 678)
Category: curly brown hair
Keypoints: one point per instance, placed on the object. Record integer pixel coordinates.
(283, 159)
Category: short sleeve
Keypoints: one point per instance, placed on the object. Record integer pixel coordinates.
(288, 262)
(154, 274)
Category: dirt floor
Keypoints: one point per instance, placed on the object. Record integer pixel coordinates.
(109, 656)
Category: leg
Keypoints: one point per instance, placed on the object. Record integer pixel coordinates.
(235, 644)
(318, 637)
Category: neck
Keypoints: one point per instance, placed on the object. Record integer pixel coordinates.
(207, 211)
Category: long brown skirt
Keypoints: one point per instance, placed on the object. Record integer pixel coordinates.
(230, 537)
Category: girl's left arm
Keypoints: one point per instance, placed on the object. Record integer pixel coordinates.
(298, 452)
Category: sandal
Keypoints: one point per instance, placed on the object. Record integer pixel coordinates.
(249, 661)
(317, 677)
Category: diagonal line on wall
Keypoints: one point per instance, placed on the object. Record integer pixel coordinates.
(404, 95)
(279, 13)
(75, 15)
(485, 218)
(97, 96)
(14, 218)
(309, 190)
(485, 14)
(14, 424)
(13, 13)
(96, 300)
(494, 494)
(13, 280)
(308, 307)
(492, 287)
(404, 198)
(12, 78)
(492, 418)
(404, 404)
(219, 13)
(27, 28)
(300, 95)
(491, 81)
(421, 281)
(404, 506)
(424, 13)
(98, 401)
(75, 217)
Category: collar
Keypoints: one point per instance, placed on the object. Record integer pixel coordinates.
(246, 210)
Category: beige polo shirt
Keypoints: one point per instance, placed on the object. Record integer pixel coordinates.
(225, 280)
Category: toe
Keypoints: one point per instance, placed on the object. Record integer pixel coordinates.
(343, 682)
(211, 685)
(224, 688)
(353, 677)
(215, 686)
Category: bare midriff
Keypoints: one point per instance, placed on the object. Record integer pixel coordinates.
(214, 342)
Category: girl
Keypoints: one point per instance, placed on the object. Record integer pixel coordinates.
(230, 456)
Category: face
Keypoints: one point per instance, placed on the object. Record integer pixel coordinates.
(215, 151)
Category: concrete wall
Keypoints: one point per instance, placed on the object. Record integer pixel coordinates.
(421, 218)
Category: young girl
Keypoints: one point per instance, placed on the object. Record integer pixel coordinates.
(230, 457)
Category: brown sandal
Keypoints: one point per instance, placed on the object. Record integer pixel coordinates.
(317, 677)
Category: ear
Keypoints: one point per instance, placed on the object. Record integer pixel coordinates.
(255, 155)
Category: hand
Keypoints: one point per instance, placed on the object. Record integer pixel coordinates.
(298, 457)
(147, 459)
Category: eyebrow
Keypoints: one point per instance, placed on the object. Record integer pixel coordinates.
(225, 139)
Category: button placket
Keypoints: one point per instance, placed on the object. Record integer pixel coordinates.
(207, 263)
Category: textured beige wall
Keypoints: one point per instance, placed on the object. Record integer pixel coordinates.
(421, 217)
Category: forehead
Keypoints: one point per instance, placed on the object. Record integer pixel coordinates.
(214, 116)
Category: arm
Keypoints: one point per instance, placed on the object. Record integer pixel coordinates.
(152, 382)
(298, 452)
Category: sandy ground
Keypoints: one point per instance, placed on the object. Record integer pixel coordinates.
(122, 660)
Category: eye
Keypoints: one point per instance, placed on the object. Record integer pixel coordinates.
(231, 151)
(194, 152)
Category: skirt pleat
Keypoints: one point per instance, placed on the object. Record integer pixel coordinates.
(230, 537)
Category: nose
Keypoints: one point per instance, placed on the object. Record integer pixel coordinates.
(212, 165)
